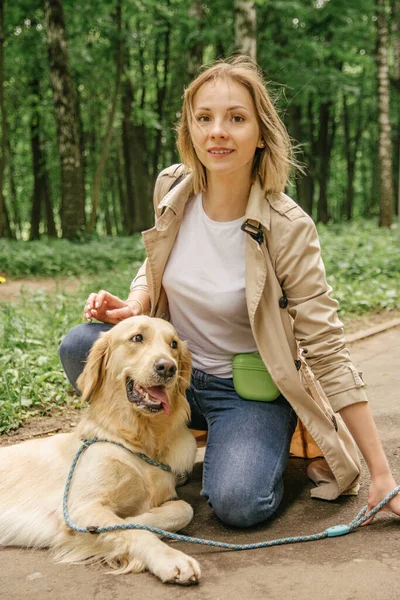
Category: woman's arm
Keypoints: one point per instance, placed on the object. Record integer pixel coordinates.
(360, 422)
(299, 268)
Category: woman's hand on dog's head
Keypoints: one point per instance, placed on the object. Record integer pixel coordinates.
(107, 308)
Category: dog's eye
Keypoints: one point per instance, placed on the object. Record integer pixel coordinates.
(137, 338)
(174, 344)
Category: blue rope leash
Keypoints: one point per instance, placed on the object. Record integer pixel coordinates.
(334, 531)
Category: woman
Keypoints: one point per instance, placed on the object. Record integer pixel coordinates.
(235, 264)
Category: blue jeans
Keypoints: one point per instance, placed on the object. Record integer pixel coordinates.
(248, 442)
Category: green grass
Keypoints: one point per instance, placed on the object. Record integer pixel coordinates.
(32, 380)
(60, 258)
(363, 266)
(362, 262)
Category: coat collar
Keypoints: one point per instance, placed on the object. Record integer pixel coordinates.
(258, 208)
(176, 198)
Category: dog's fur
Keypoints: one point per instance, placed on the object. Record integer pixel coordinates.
(111, 485)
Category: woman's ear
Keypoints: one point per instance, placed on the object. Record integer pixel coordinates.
(185, 368)
(91, 380)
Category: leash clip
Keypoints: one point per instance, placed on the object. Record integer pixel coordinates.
(337, 530)
(92, 529)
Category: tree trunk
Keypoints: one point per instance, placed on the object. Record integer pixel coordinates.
(246, 28)
(161, 92)
(107, 216)
(82, 145)
(373, 166)
(136, 166)
(142, 65)
(113, 196)
(384, 142)
(16, 214)
(142, 180)
(396, 56)
(349, 199)
(194, 53)
(351, 145)
(48, 204)
(326, 137)
(109, 131)
(304, 182)
(66, 113)
(5, 229)
(122, 196)
(132, 214)
(36, 197)
(41, 189)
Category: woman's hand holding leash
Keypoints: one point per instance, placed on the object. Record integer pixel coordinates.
(358, 418)
(379, 487)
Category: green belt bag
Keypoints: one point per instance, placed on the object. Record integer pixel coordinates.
(251, 378)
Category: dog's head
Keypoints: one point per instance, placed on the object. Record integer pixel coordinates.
(142, 361)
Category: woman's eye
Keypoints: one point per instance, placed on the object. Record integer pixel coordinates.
(137, 338)
(237, 119)
(203, 118)
(174, 344)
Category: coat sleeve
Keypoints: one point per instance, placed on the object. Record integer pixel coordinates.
(317, 328)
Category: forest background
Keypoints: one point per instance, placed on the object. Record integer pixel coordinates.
(90, 93)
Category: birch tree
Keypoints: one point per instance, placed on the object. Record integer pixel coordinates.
(5, 230)
(384, 142)
(246, 28)
(194, 52)
(396, 55)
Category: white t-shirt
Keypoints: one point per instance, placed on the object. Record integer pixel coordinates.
(205, 284)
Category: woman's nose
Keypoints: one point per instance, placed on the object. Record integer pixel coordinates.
(218, 129)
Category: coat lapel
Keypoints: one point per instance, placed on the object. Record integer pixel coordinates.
(159, 240)
(257, 214)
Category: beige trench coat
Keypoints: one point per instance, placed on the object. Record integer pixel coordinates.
(292, 315)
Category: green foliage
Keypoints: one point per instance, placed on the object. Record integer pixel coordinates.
(31, 378)
(56, 258)
(363, 266)
(311, 51)
(362, 263)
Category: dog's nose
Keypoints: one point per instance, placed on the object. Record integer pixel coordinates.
(164, 367)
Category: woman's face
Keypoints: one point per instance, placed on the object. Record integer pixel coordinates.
(224, 129)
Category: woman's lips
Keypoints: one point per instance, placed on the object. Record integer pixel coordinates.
(220, 151)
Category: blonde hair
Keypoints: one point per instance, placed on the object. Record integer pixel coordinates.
(273, 162)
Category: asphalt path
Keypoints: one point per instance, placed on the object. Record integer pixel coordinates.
(364, 565)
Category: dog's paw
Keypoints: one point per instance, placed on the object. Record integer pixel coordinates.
(179, 568)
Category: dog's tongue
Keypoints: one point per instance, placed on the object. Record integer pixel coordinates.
(158, 393)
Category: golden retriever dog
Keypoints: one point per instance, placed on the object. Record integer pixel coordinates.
(135, 381)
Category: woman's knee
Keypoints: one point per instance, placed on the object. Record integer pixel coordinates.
(241, 506)
(75, 347)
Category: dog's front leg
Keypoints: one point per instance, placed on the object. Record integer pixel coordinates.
(171, 516)
(138, 550)
(168, 564)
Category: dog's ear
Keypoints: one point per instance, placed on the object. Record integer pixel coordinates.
(185, 368)
(91, 380)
